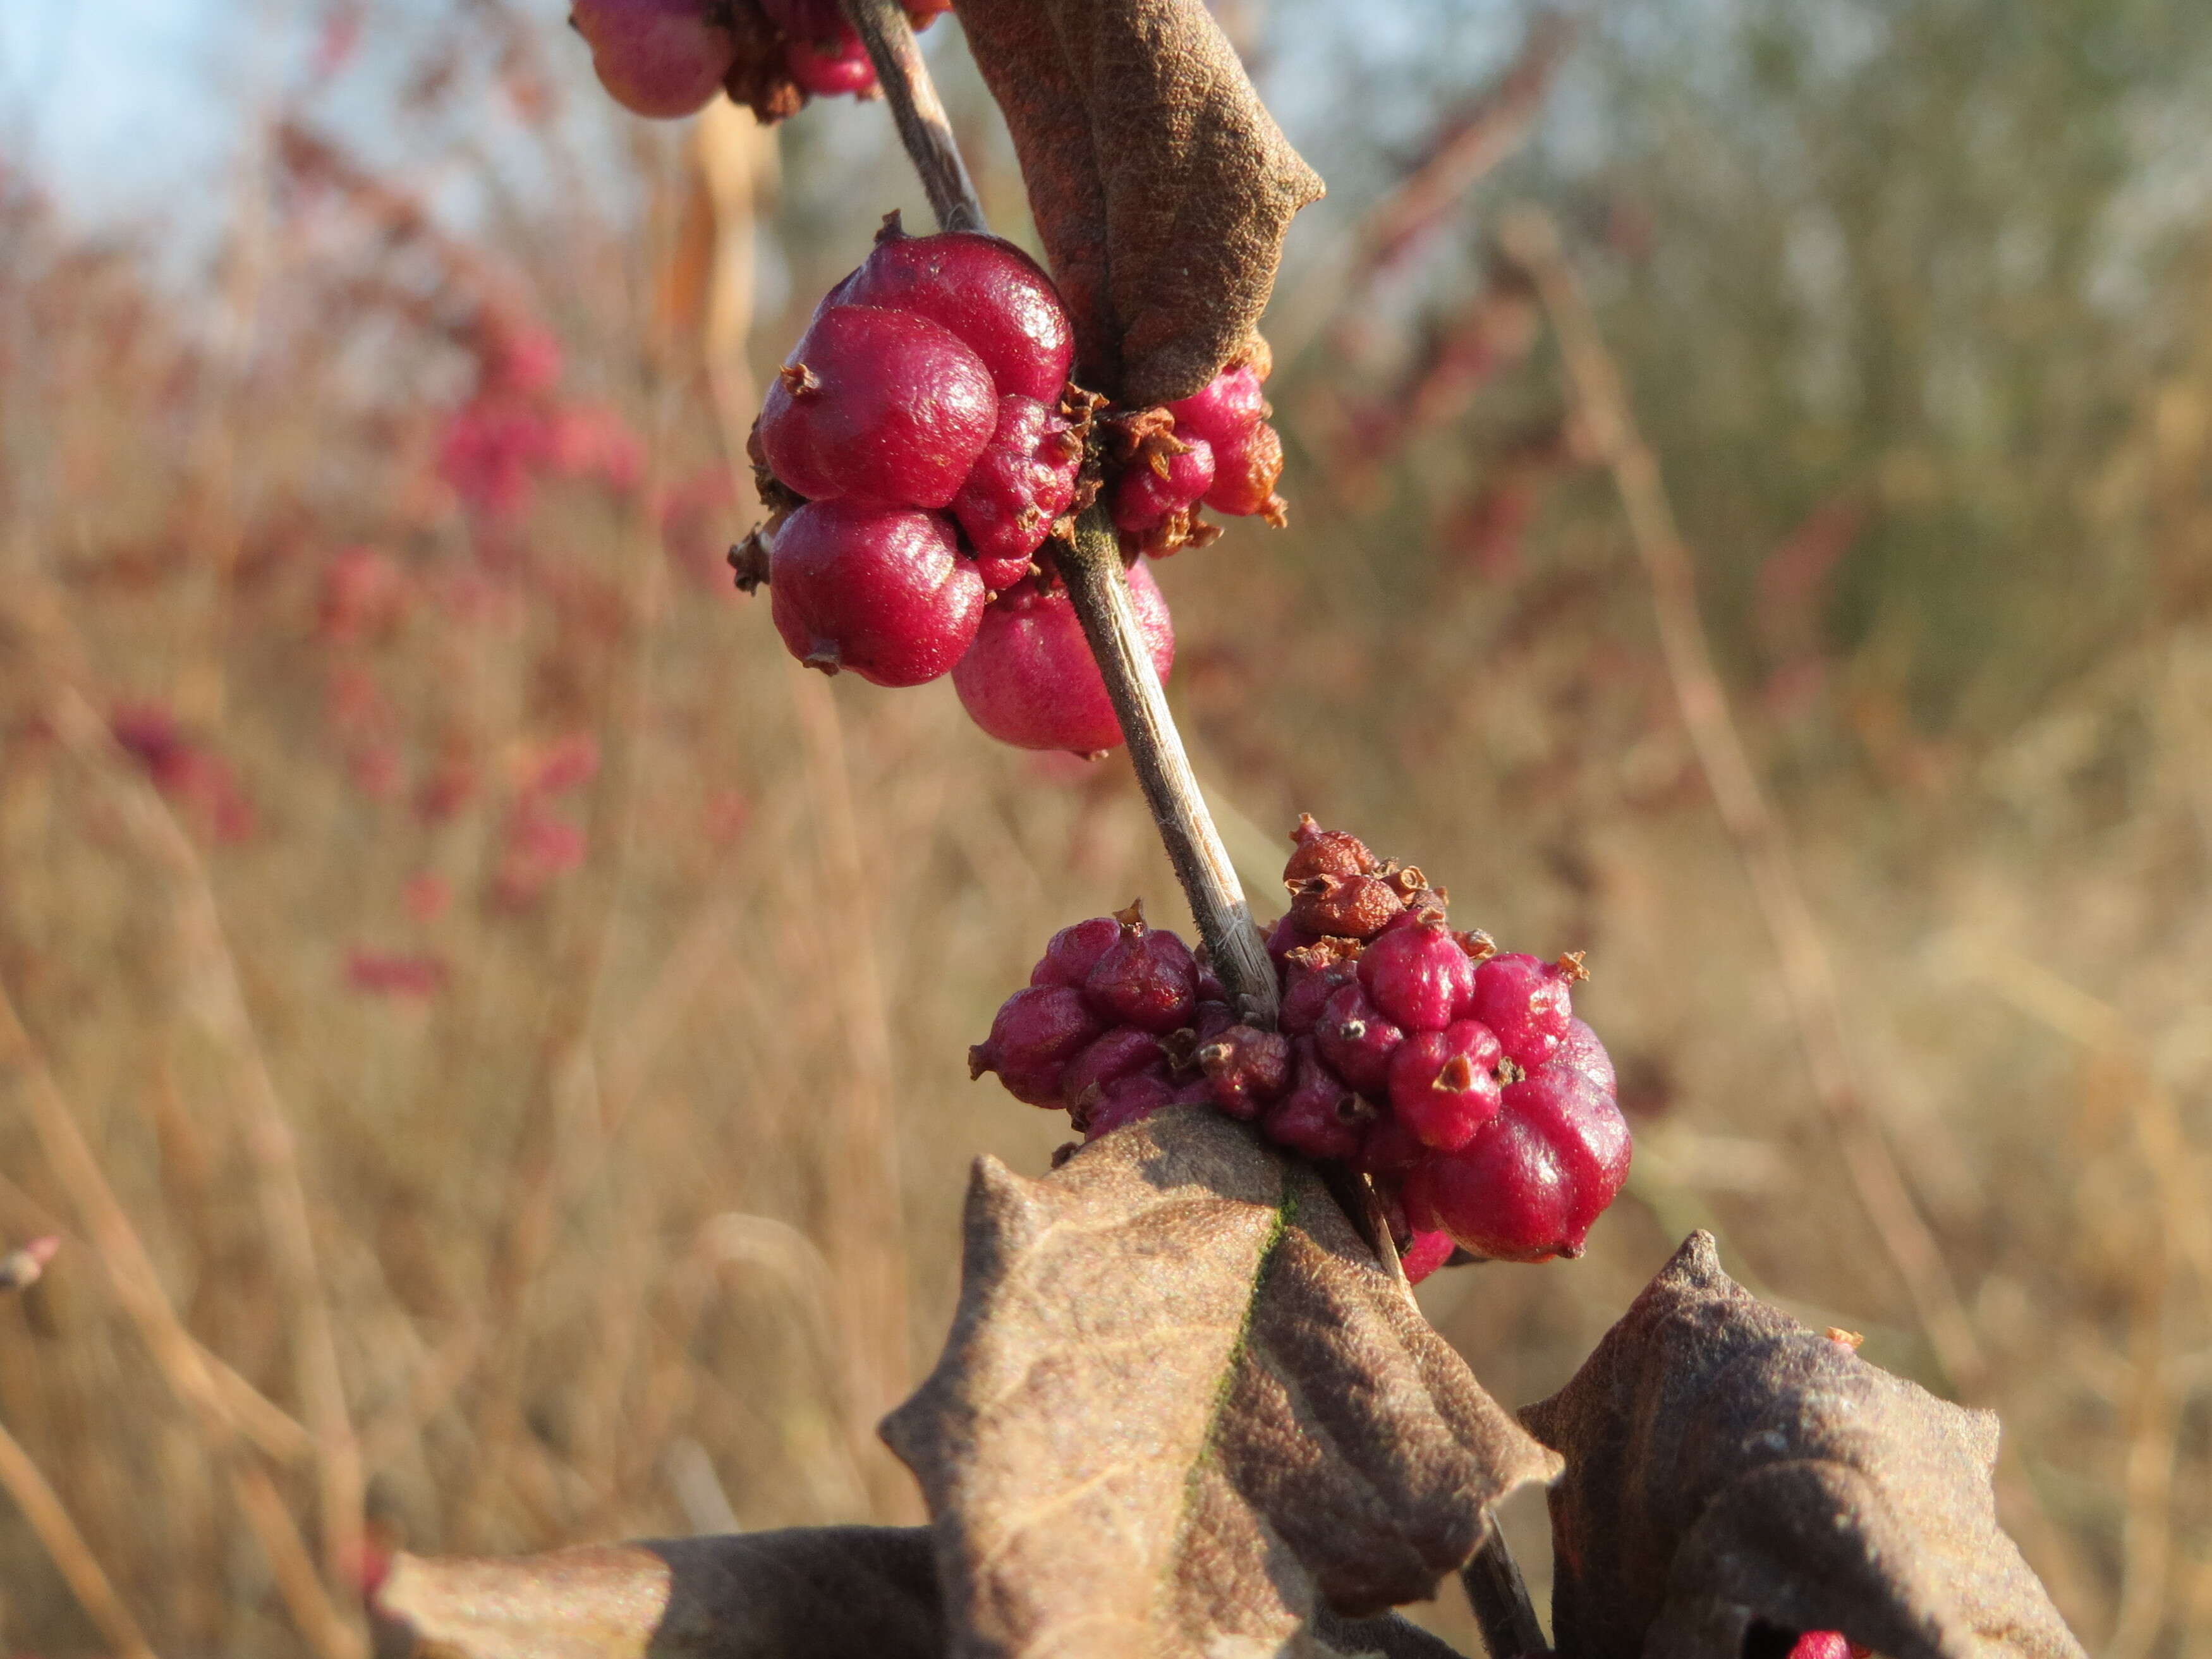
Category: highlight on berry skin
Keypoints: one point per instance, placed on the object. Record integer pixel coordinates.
(1457, 1079)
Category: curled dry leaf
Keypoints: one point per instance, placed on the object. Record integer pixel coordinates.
(1181, 1403)
(1160, 184)
(826, 1592)
(1726, 1466)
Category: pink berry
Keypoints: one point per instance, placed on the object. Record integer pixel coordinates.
(1419, 975)
(1390, 1149)
(657, 58)
(1319, 1116)
(1306, 994)
(1246, 1068)
(1826, 1644)
(1023, 480)
(1532, 1180)
(1149, 489)
(1074, 950)
(1357, 1040)
(1123, 1052)
(988, 291)
(1286, 936)
(1037, 1032)
(1427, 1253)
(886, 594)
(877, 407)
(1245, 474)
(1029, 680)
(1581, 1051)
(1146, 978)
(1524, 1000)
(1442, 1086)
(1126, 1101)
(1228, 407)
(830, 67)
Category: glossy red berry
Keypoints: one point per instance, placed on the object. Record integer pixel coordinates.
(1157, 484)
(831, 67)
(1530, 1183)
(1146, 978)
(1427, 1253)
(1579, 1050)
(986, 291)
(876, 407)
(1230, 405)
(1826, 1645)
(1037, 1032)
(1319, 1116)
(1123, 1052)
(1524, 1000)
(1247, 1068)
(886, 594)
(1029, 678)
(662, 59)
(1023, 480)
(1356, 1040)
(1073, 951)
(1419, 975)
(1443, 1085)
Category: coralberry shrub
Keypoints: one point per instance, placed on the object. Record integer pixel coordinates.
(1458, 1078)
(923, 447)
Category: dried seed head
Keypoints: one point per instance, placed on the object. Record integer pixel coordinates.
(1570, 967)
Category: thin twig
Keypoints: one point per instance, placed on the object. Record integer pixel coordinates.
(1809, 977)
(1101, 592)
(72, 1556)
(922, 125)
(1499, 1596)
(1093, 571)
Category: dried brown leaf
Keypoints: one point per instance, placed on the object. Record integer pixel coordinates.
(827, 1592)
(1726, 1466)
(1160, 184)
(1182, 1404)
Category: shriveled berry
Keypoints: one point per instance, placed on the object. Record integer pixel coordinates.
(1228, 407)
(883, 593)
(1427, 1253)
(1246, 1068)
(1158, 484)
(1419, 975)
(1356, 1039)
(1123, 1052)
(1532, 1180)
(1581, 1051)
(1524, 1000)
(1029, 678)
(1037, 1030)
(1319, 1116)
(988, 291)
(662, 59)
(1126, 1101)
(1071, 952)
(1023, 480)
(1245, 473)
(1343, 907)
(1442, 1084)
(1327, 852)
(877, 407)
(1146, 978)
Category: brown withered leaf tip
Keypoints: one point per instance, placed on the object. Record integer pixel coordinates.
(1182, 1410)
(1727, 1466)
(1160, 184)
(827, 1592)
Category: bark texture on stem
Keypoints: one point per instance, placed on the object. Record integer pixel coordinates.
(923, 128)
(1095, 581)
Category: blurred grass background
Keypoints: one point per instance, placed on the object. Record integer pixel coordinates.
(489, 1028)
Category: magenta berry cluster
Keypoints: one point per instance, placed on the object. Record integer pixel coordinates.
(1457, 1077)
(1214, 448)
(666, 58)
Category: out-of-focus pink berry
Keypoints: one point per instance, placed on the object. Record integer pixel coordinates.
(830, 67)
(885, 593)
(655, 58)
(1029, 680)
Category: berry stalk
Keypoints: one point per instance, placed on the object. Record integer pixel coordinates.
(1101, 592)
(923, 128)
